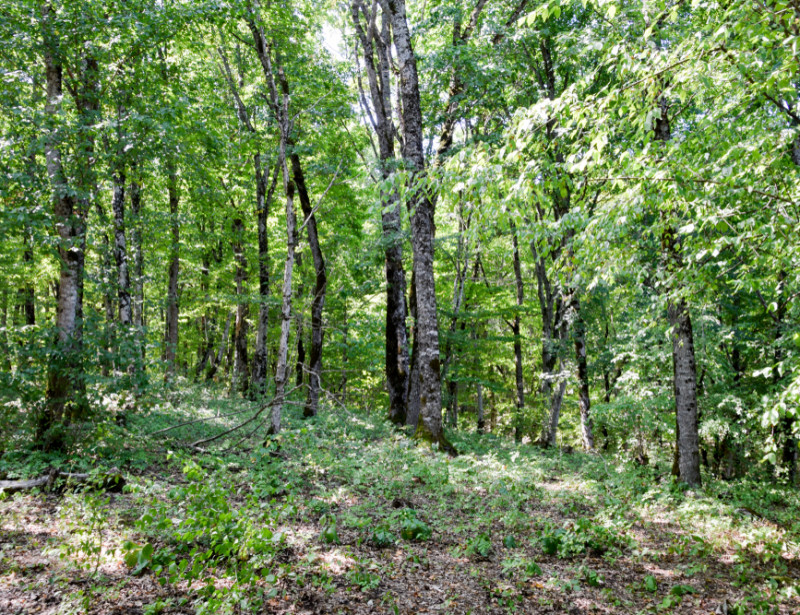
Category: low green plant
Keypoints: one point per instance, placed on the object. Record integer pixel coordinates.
(480, 547)
(413, 528)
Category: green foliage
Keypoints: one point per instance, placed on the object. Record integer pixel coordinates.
(480, 547)
(414, 528)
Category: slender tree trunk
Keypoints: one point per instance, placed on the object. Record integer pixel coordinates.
(429, 426)
(263, 202)
(171, 333)
(300, 357)
(584, 401)
(320, 287)
(280, 106)
(240, 380)
(517, 330)
(5, 347)
(137, 255)
(120, 250)
(28, 292)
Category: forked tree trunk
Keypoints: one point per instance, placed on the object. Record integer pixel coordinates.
(429, 426)
(320, 287)
(376, 45)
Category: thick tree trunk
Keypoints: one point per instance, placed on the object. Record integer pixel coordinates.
(171, 332)
(429, 426)
(684, 378)
(374, 43)
(320, 286)
(412, 395)
(65, 371)
(685, 389)
(240, 380)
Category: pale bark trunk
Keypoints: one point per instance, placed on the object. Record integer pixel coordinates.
(429, 426)
(280, 106)
(137, 255)
(65, 372)
(120, 250)
(584, 401)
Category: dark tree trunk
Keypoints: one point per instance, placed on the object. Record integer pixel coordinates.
(240, 380)
(517, 331)
(684, 377)
(320, 286)
(171, 332)
(27, 292)
(263, 202)
(429, 426)
(374, 43)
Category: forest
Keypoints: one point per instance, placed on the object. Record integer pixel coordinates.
(399, 306)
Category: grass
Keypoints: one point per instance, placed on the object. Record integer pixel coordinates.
(342, 513)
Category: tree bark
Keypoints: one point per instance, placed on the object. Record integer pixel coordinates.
(240, 380)
(516, 328)
(374, 43)
(429, 426)
(120, 249)
(320, 287)
(684, 368)
(584, 401)
(263, 202)
(171, 332)
(137, 254)
(65, 370)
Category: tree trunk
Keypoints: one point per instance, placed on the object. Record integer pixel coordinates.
(28, 292)
(516, 329)
(171, 333)
(300, 357)
(684, 378)
(120, 250)
(65, 371)
(263, 202)
(685, 389)
(320, 286)
(240, 380)
(429, 426)
(137, 254)
(379, 78)
(584, 401)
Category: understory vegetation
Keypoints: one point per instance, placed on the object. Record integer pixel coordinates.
(342, 513)
(399, 306)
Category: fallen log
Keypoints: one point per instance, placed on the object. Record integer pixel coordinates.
(111, 481)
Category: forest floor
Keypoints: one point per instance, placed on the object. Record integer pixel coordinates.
(344, 514)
